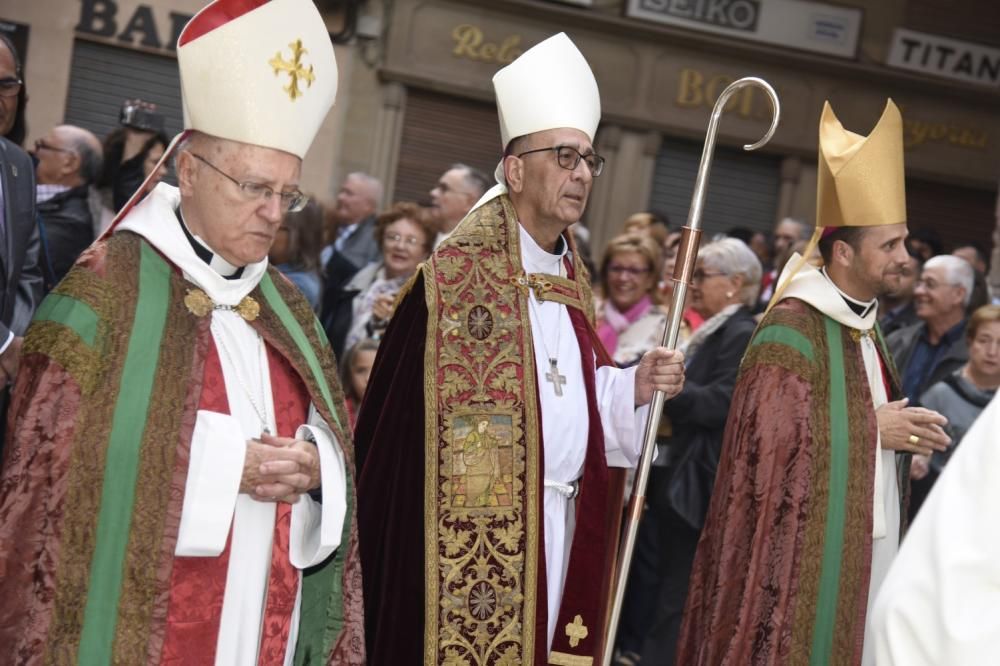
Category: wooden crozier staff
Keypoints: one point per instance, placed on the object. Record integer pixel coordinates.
(687, 254)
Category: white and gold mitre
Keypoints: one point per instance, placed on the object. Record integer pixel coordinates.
(257, 72)
(548, 87)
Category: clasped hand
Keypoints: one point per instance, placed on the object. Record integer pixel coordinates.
(279, 469)
(897, 423)
(659, 370)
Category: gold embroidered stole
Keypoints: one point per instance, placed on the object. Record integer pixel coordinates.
(483, 508)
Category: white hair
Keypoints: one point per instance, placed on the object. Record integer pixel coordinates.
(957, 272)
(732, 257)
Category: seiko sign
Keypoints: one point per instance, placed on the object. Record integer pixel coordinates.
(810, 26)
(732, 14)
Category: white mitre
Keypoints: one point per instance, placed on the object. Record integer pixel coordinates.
(548, 87)
(253, 71)
(266, 76)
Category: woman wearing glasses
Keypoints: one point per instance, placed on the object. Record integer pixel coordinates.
(724, 291)
(630, 321)
(405, 236)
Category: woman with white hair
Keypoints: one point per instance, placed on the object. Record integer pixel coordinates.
(724, 291)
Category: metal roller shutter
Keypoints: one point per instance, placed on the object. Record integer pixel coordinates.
(104, 76)
(958, 214)
(742, 187)
(438, 131)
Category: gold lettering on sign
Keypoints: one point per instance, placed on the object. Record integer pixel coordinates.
(695, 91)
(470, 42)
(919, 132)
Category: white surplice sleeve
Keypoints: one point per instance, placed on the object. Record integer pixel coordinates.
(218, 449)
(938, 604)
(622, 423)
(316, 527)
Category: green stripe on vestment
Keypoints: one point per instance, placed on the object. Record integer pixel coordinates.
(127, 427)
(70, 312)
(291, 324)
(833, 537)
(322, 609)
(784, 335)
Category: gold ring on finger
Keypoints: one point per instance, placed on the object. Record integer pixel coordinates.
(914, 440)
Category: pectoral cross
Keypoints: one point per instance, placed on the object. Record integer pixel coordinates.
(294, 68)
(554, 377)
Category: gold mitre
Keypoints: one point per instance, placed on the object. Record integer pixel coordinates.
(859, 182)
(860, 178)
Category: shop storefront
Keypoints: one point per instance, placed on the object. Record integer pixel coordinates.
(658, 84)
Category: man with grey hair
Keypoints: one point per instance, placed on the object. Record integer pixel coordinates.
(69, 163)
(175, 437)
(786, 234)
(355, 246)
(452, 197)
(933, 348)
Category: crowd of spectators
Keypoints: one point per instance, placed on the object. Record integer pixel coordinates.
(351, 257)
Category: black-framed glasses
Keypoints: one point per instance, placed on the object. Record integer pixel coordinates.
(41, 145)
(569, 157)
(290, 202)
(700, 276)
(10, 87)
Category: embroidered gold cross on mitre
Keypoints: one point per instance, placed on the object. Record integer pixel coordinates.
(200, 304)
(295, 69)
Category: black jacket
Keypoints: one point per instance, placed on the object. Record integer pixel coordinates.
(902, 343)
(67, 230)
(20, 274)
(698, 415)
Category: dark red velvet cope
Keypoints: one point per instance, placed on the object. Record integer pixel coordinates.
(197, 584)
(389, 444)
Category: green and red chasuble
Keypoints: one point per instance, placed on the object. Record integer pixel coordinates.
(781, 574)
(114, 369)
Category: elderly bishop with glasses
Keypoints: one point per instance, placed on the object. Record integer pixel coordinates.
(493, 415)
(179, 486)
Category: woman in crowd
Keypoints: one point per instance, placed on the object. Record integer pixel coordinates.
(630, 321)
(960, 397)
(295, 251)
(724, 291)
(355, 370)
(363, 307)
(130, 155)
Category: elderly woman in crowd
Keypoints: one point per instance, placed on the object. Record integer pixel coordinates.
(364, 305)
(724, 292)
(295, 251)
(962, 395)
(630, 321)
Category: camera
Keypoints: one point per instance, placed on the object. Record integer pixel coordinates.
(138, 116)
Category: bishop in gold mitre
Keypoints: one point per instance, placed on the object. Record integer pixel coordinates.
(805, 515)
(179, 486)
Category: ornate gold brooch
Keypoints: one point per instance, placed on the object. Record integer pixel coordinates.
(857, 334)
(200, 304)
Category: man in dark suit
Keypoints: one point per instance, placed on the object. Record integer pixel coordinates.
(20, 277)
(354, 248)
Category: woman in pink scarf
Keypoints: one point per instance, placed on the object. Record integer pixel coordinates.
(630, 321)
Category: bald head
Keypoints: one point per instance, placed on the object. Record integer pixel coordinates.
(68, 155)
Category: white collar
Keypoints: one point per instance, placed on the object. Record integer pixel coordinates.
(154, 219)
(815, 288)
(537, 260)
